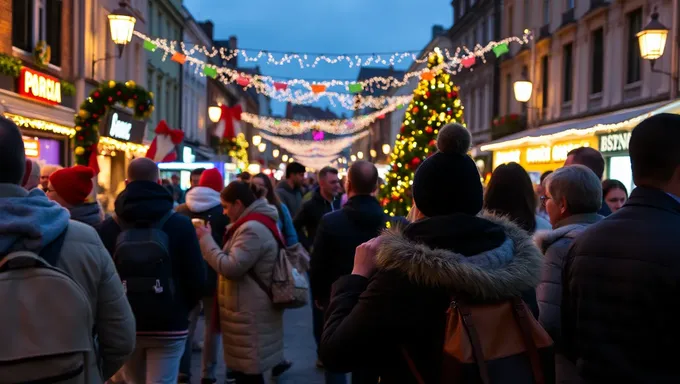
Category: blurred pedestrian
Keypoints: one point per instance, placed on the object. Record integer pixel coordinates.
(71, 188)
(32, 175)
(615, 194)
(45, 172)
(591, 158)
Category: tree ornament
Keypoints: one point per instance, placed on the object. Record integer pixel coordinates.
(415, 109)
(428, 129)
(415, 161)
(79, 151)
(112, 84)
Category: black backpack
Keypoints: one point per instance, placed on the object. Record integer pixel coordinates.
(143, 261)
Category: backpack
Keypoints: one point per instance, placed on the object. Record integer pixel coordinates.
(289, 287)
(493, 343)
(143, 262)
(47, 323)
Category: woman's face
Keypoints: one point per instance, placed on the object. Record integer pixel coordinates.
(258, 181)
(232, 210)
(615, 199)
(554, 208)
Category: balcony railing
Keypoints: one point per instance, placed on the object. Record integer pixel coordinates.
(544, 32)
(568, 17)
(599, 3)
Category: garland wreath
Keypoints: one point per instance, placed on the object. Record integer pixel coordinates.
(97, 105)
(236, 147)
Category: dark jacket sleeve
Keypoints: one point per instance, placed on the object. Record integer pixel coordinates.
(300, 223)
(108, 231)
(549, 291)
(321, 267)
(191, 270)
(361, 321)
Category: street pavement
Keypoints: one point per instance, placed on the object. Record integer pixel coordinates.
(300, 348)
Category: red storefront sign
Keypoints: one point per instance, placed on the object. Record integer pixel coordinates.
(39, 86)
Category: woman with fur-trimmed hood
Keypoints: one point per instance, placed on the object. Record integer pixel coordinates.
(403, 281)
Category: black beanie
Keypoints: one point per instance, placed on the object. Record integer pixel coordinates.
(448, 182)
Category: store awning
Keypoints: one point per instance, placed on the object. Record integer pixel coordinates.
(621, 119)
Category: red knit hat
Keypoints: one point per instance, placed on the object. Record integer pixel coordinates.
(73, 184)
(27, 172)
(211, 178)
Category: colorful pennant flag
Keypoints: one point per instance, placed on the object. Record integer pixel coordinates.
(500, 49)
(469, 61)
(280, 86)
(149, 46)
(355, 87)
(179, 58)
(243, 81)
(318, 88)
(400, 106)
(428, 75)
(210, 71)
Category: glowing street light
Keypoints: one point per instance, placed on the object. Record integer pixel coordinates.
(386, 149)
(652, 38)
(122, 23)
(257, 139)
(214, 113)
(360, 155)
(275, 153)
(262, 147)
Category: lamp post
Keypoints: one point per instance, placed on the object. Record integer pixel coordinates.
(215, 113)
(523, 89)
(122, 24)
(257, 139)
(652, 40)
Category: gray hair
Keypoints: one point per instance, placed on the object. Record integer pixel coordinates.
(578, 186)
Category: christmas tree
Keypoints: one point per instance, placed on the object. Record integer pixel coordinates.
(435, 103)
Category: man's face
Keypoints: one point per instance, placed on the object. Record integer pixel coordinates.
(175, 180)
(44, 181)
(299, 179)
(569, 161)
(194, 180)
(54, 196)
(330, 184)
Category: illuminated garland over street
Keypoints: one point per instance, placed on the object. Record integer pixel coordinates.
(316, 162)
(337, 126)
(315, 148)
(314, 91)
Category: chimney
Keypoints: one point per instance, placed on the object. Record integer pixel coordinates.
(437, 30)
(208, 27)
(233, 44)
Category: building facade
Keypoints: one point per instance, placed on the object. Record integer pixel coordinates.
(37, 74)
(195, 121)
(589, 80)
(164, 77)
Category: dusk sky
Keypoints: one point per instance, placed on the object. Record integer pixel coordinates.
(332, 26)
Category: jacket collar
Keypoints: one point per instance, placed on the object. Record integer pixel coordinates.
(652, 197)
(570, 227)
(503, 271)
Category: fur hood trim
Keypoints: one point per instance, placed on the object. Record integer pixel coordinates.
(501, 273)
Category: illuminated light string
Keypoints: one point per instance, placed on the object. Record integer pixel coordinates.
(315, 162)
(336, 126)
(26, 122)
(462, 57)
(107, 144)
(309, 148)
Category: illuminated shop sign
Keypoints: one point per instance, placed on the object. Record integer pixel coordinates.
(556, 153)
(503, 157)
(39, 86)
(614, 142)
(122, 126)
(31, 147)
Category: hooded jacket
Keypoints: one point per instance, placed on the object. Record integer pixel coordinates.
(29, 221)
(204, 203)
(369, 321)
(88, 213)
(291, 197)
(252, 329)
(144, 200)
(337, 237)
(307, 220)
(555, 245)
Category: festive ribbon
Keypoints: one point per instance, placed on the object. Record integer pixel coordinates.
(229, 115)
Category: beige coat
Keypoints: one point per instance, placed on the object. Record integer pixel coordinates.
(252, 329)
(84, 258)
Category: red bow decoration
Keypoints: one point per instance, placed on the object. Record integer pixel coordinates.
(226, 129)
(162, 148)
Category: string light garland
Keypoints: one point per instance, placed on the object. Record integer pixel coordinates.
(311, 92)
(26, 122)
(109, 145)
(336, 126)
(435, 103)
(315, 148)
(316, 162)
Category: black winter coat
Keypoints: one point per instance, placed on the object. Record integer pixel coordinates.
(622, 280)
(218, 223)
(144, 200)
(307, 220)
(337, 237)
(368, 321)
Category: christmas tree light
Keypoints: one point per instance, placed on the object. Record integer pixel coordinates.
(435, 103)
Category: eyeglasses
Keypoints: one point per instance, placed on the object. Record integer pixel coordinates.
(544, 199)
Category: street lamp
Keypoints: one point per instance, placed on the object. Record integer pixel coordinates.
(373, 153)
(214, 113)
(652, 38)
(360, 155)
(122, 24)
(353, 158)
(275, 153)
(257, 139)
(262, 147)
(386, 149)
(284, 158)
(523, 89)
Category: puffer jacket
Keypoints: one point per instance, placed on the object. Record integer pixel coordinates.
(30, 221)
(88, 213)
(252, 329)
(555, 245)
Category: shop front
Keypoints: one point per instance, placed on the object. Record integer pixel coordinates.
(121, 140)
(35, 103)
(614, 148)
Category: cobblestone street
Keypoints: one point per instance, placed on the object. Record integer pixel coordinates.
(299, 348)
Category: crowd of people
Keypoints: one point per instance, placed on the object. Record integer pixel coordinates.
(586, 269)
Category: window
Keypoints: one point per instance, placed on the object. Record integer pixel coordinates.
(544, 80)
(527, 14)
(36, 20)
(569, 4)
(485, 32)
(634, 60)
(492, 35)
(546, 12)
(462, 7)
(597, 67)
(510, 16)
(508, 92)
(568, 76)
